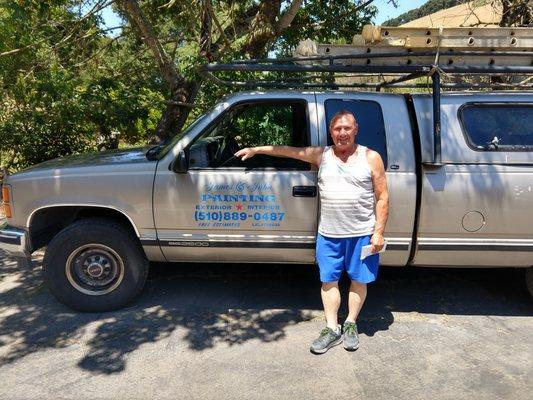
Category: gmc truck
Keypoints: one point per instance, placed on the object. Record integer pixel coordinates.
(459, 168)
(103, 217)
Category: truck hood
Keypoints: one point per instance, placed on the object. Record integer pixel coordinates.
(121, 156)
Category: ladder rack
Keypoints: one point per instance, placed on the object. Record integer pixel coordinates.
(396, 57)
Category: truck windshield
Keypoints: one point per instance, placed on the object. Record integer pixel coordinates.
(164, 150)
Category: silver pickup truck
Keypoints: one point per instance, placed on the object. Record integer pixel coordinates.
(103, 217)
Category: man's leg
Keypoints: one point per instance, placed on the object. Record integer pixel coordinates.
(331, 298)
(331, 335)
(356, 298)
(360, 272)
(329, 254)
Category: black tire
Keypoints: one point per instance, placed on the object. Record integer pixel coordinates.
(90, 247)
(529, 280)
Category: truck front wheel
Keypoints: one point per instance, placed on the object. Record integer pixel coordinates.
(529, 280)
(95, 264)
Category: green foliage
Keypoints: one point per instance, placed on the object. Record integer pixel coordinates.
(42, 119)
(59, 96)
(66, 85)
(114, 106)
(259, 126)
(325, 21)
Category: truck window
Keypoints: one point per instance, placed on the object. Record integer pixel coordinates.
(498, 127)
(369, 118)
(253, 124)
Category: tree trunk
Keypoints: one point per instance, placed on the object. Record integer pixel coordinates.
(263, 29)
(266, 25)
(181, 90)
(177, 110)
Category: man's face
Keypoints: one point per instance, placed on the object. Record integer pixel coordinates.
(343, 131)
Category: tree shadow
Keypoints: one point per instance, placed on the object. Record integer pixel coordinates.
(210, 304)
(202, 306)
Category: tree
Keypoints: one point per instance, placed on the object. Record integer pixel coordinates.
(67, 85)
(216, 30)
(517, 13)
(40, 116)
(59, 92)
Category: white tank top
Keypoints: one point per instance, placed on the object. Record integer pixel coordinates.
(347, 199)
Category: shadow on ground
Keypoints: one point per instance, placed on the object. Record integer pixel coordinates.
(230, 305)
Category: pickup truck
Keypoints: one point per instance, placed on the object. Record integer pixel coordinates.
(103, 217)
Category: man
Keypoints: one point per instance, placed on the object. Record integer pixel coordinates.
(354, 205)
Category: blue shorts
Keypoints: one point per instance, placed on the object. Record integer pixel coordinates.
(335, 255)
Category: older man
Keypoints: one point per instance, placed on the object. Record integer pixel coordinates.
(354, 205)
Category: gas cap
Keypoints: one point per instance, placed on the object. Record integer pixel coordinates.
(473, 221)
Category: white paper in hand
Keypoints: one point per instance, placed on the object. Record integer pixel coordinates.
(367, 250)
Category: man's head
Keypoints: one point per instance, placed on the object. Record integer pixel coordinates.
(343, 129)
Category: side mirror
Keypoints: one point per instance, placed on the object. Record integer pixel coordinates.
(180, 165)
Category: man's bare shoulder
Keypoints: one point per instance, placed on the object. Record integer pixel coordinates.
(374, 158)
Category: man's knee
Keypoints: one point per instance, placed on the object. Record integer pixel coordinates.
(330, 285)
(358, 285)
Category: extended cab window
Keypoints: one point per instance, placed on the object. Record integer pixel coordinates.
(249, 125)
(370, 120)
(498, 127)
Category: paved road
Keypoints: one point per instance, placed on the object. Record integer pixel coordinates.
(243, 332)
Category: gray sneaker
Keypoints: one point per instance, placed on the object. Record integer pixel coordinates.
(326, 340)
(350, 337)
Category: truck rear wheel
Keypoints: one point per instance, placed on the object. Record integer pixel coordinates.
(529, 280)
(95, 264)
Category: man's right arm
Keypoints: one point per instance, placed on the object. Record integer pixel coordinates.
(311, 154)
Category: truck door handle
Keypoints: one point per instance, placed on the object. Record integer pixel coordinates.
(304, 191)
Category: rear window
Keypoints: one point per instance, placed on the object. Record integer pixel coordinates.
(369, 118)
(498, 127)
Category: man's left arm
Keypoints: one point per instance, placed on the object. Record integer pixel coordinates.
(381, 193)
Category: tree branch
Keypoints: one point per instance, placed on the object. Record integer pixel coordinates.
(98, 6)
(363, 5)
(100, 51)
(288, 16)
(136, 16)
(211, 12)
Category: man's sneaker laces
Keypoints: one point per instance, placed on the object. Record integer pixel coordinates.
(350, 336)
(326, 339)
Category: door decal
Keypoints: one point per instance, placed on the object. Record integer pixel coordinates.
(240, 204)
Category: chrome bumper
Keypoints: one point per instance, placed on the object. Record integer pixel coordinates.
(14, 241)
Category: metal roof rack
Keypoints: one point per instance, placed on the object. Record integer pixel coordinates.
(401, 54)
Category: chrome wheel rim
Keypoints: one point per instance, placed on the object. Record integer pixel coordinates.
(94, 269)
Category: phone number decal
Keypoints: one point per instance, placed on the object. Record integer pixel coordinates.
(236, 216)
(241, 205)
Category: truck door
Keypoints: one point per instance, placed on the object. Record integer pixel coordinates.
(384, 127)
(223, 209)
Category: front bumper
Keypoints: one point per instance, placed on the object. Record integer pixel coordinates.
(14, 241)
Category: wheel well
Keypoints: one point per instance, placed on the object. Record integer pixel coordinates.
(47, 222)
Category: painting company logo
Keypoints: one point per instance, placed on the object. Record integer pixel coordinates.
(230, 205)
